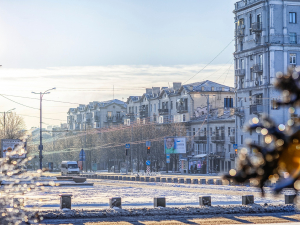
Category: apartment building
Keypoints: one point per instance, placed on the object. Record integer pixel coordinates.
(266, 41)
(96, 115)
(188, 104)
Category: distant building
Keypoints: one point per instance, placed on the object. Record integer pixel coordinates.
(96, 115)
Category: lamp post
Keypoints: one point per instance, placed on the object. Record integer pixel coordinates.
(9, 111)
(41, 136)
(207, 132)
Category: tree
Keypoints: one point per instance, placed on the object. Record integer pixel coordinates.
(12, 126)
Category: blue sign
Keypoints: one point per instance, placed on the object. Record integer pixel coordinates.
(82, 155)
(127, 146)
(235, 146)
(148, 143)
(168, 156)
(148, 162)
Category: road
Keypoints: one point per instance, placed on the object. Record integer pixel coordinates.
(287, 218)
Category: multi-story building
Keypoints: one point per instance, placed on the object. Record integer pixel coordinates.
(188, 104)
(266, 41)
(96, 115)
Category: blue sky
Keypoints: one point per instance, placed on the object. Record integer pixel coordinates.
(131, 44)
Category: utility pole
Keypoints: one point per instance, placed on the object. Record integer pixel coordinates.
(208, 150)
(131, 166)
(41, 136)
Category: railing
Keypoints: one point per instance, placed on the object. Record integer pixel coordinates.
(143, 114)
(254, 109)
(232, 156)
(218, 139)
(232, 139)
(257, 68)
(239, 111)
(242, 4)
(293, 38)
(97, 119)
(163, 111)
(200, 139)
(220, 154)
(256, 27)
(239, 32)
(182, 109)
(240, 72)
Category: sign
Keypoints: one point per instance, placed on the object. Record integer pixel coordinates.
(175, 145)
(148, 143)
(235, 146)
(168, 158)
(127, 146)
(82, 155)
(148, 162)
(14, 148)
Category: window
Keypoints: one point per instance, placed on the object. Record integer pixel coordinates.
(242, 140)
(242, 64)
(242, 82)
(241, 46)
(228, 131)
(293, 38)
(154, 107)
(212, 88)
(250, 25)
(228, 102)
(194, 133)
(171, 104)
(293, 59)
(136, 109)
(274, 105)
(229, 147)
(151, 108)
(109, 114)
(251, 74)
(183, 118)
(293, 17)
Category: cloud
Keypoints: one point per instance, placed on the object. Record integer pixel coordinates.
(95, 83)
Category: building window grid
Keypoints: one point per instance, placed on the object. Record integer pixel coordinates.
(293, 59)
(293, 38)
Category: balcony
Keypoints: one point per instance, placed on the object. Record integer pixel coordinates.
(118, 119)
(218, 139)
(257, 68)
(130, 116)
(242, 4)
(143, 113)
(97, 118)
(221, 154)
(109, 118)
(232, 139)
(240, 72)
(240, 32)
(256, 27)
(256, 109)
(182, 109)
(239, 111)
(163, 111)
(232, 156)
(200, 139)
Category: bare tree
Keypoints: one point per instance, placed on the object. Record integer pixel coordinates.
(12, 126)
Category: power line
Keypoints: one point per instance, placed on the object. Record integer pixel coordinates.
(210, 61)
(19, 103)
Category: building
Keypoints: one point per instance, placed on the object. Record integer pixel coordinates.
(187, 104)
(266, 42)
(96, 115)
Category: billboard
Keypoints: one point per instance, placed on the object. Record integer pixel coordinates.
(175, 145)
(14, 148)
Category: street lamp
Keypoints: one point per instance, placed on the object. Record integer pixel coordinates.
(9, 111)
(41, 136)
(207, 134)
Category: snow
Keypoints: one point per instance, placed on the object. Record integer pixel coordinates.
(141, 194)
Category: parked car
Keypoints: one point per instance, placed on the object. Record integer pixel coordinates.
(69, 167)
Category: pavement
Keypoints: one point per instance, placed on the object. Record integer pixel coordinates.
(263, 219)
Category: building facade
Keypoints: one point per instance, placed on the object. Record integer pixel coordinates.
(267, 40)
(96, 115)
(188, 104)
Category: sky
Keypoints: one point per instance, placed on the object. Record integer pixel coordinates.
(85, 48)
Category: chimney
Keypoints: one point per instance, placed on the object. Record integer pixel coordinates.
(148, 91)
(176, 86)
(155, 90)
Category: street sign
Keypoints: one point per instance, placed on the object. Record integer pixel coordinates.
(127, 146)
(235, 146)
(82, 155)
(148, 143)
(168, 158)
(148, 162)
